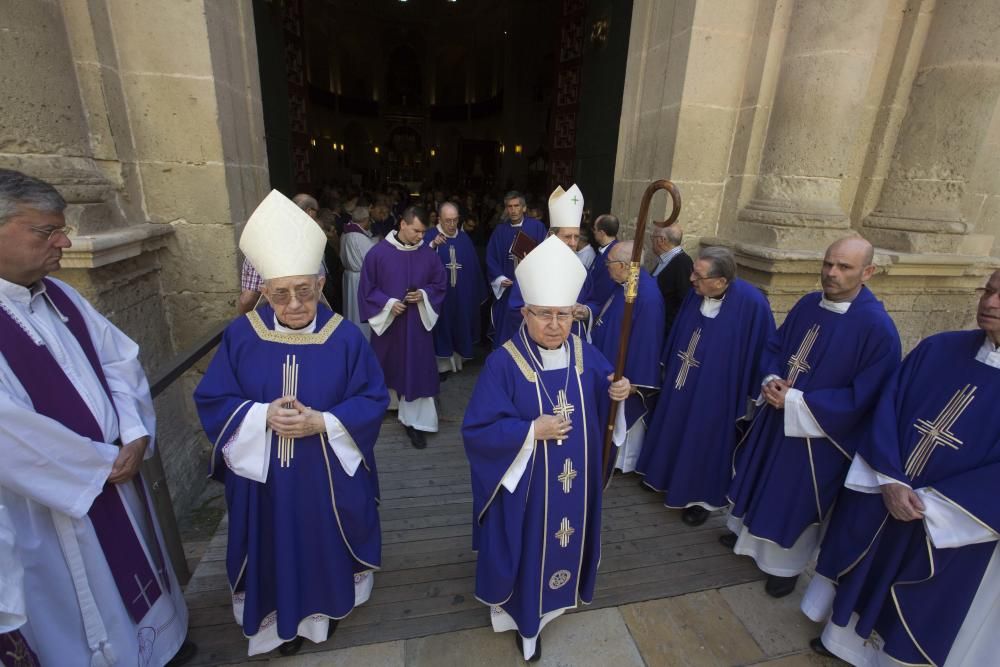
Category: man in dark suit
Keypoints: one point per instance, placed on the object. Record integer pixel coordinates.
(673, 268)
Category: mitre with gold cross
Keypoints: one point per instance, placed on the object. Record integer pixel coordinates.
(566, 207)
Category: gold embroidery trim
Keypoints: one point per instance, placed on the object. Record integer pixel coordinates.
(318, 338)
(521, 362)
(578, 351)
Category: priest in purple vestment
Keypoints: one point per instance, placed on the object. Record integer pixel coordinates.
(457, 329)
(533, 432)
(822, 375)
(909, 571)
(401, 293)
(76, 422)
(293, 401)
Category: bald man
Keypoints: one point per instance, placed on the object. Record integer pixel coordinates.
(823, 374)
(673, 269)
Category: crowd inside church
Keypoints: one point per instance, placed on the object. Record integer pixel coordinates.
(825, 447)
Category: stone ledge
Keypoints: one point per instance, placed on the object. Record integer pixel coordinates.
(95, 250)
(890, 262)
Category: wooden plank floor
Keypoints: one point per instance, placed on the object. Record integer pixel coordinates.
(426, 583)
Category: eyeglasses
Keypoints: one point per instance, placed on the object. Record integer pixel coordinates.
(609, 262)
(50, 233)
(282, 297)
(552, 315)
(698, 278)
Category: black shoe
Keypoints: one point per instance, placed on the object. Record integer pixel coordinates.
(779, 587)
(443, 377)
(330, 629)
(291, 647)
(537, 655)
(417, 438)
(816, 644)
(728, 540)
(646, 487)
(184, 654)
(695, 515)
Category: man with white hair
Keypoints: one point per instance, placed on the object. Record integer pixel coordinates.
(76, 422)
(642, 361)
(712, 357)
(293, 401)
(355, 243)
(909, 572)
(250, 280)
(533, 433)
(457, 330)
(673, 269)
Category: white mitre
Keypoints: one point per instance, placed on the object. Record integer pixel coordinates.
(280, 239)
(551, 275)
(566, 207)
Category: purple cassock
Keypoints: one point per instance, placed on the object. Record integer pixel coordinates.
(141, 577)
(457, 330)
(405, 349)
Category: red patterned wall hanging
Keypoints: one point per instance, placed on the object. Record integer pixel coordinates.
(567, 98)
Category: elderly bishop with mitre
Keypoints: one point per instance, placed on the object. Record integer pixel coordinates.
(533, 434)
(293, 401)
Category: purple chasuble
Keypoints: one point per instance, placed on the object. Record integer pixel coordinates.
(405, 350)
(53, 395)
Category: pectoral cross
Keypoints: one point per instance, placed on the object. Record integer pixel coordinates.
(687, 357)
(453, 266)
(564, 533)
(563, 408)
(797, 363)
(567, 476)
(142, 591)
(938, 432)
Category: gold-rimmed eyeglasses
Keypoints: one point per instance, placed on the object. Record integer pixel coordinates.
(282, 297)
(552, 315)
(50, 233)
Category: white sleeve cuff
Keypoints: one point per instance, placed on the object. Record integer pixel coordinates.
(864, 479)
(770, 377)
(621, 428)
(497, 288)
(948, 525)
(248, 452)
(427, 315)
(799, 421)
(342, 445)
(516, 471)
(381, 322)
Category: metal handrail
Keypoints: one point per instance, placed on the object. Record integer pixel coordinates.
(152, 468)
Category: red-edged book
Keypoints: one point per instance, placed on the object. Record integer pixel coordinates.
(522, 245)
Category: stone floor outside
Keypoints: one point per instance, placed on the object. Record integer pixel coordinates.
(718, 626)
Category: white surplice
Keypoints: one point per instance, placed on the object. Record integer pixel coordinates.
(353, 248)
(50, 476)
(948, 527)
(12, 613)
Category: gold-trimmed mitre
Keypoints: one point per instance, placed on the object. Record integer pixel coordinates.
(551, 275)
(280, 239)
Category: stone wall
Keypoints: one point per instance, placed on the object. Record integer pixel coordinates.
(789, 123)
(146, 115)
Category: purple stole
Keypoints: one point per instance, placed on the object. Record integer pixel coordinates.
(54, 396)
(355, 228)
(14, 650)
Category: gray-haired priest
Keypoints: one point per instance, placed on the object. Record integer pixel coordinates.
(533, 434)
(293, 401)
(76, 421)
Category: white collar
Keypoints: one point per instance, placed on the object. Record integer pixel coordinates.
(393, 238)
(553, 360)
(710, 307)
(308, 329)
(446, 234)
(989, 353)
(19, 293)
(518, 225)
(839, 307)
(605, 247)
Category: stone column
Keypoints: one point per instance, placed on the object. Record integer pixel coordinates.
(936, 185)
(808, 167)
